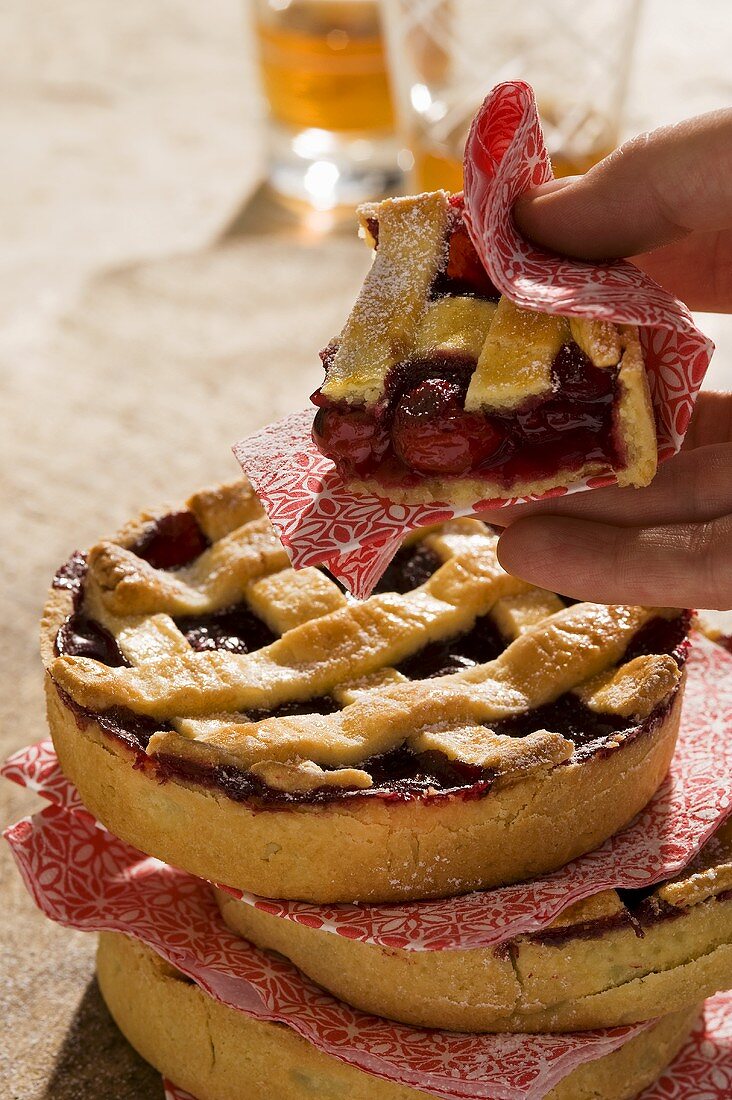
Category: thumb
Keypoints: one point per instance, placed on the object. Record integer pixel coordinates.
(653, 190)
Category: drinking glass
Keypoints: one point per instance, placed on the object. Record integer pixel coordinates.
(445, 55)
(331, 121)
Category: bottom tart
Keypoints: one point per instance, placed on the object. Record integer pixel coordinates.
(618, 957)
(217, 1053)
(259, 728)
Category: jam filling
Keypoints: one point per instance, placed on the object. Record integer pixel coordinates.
(408, 569)
(463, 273)
(477, 646)
(235, 629)
(72, 575)
(420, 427)
(398, 774)
(80, 636)
(642, 909)
(172, 541)
(567, 715)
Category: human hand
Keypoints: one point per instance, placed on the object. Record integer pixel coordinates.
(665, 199)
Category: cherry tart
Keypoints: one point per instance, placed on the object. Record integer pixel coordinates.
(439, 388)
(617, 957)
(217, 1053)
(257, 727)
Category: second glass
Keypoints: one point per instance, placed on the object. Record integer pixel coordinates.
(445, 55)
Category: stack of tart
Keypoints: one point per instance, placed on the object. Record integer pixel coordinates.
(458, 730)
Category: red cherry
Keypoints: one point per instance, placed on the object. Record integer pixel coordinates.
(465, 266)
(433, 434)
(578, 378)
(171, 541)
(350, 436)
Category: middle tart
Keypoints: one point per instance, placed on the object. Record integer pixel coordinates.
(460, 729)
(617, 957)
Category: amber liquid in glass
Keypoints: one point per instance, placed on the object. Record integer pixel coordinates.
(323, 65)
(434, 169)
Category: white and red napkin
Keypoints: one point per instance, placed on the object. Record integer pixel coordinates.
(84, 878)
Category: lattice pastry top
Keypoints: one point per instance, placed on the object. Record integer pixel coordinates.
(437, 387)
(195, 641)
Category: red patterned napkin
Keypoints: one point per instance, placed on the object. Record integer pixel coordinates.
(318, 519)
(702, 1071)
(688, 808)
(83, 877)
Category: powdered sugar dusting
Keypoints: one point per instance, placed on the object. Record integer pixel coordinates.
(381, 328)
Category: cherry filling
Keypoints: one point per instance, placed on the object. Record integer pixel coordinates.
(235, 629)
(171, 541)
(72, 575)
(409, 568)
(481, 644)
(80, 636)
(642, 909)
(397, 775)
(352, 437)
(463, 273)
(420, 427)
(432, 433)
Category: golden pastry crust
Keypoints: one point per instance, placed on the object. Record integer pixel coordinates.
(635, 422)
(217, 1053)
(636, 688)
(515, 363)
(707, 876)
(383, 323)
(359, 847)
(590, 968)
(600, 340)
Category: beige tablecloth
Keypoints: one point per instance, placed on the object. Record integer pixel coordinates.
(136, 345)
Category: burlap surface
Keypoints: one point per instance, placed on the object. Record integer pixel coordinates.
(129, 134)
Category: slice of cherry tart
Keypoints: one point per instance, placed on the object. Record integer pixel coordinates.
(439, 388)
